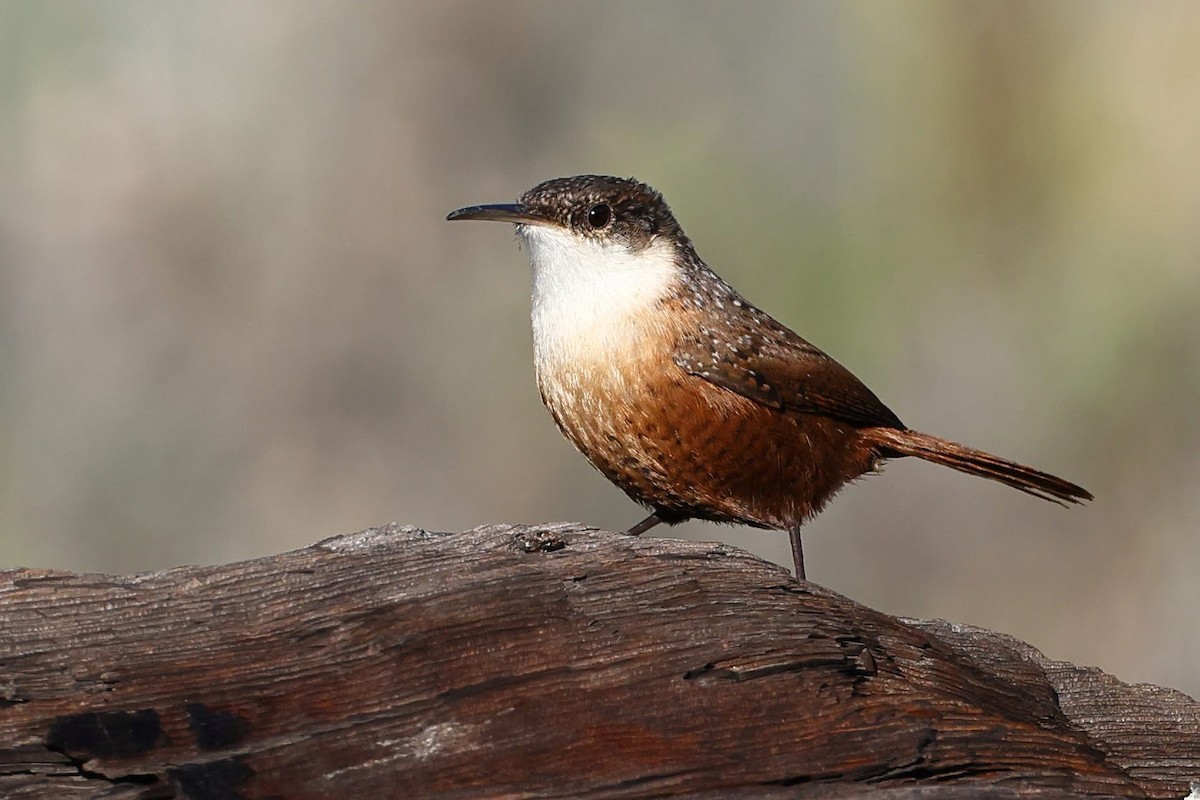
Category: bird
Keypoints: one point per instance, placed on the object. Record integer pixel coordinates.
(692, 400)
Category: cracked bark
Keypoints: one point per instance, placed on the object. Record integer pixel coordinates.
(554, 661)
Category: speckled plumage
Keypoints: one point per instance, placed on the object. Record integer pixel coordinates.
(688, 397)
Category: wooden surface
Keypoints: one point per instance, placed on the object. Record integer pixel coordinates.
(555, 661)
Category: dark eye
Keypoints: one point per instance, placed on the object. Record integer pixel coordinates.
(598, 216)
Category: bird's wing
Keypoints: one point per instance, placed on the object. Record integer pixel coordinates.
(771, 365)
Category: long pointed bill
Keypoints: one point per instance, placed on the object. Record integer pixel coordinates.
(515, 213)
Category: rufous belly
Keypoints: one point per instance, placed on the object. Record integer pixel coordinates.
(686, 448)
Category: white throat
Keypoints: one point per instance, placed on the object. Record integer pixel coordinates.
(590, 297)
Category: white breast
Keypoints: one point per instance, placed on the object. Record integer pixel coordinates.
(591, 299)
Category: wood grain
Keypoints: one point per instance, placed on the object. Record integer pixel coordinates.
(548, 661)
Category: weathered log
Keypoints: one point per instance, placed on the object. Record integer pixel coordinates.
(549, 661)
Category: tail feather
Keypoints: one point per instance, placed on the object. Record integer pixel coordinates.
(899, 441)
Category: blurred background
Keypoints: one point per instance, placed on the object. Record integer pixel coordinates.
(233, 320)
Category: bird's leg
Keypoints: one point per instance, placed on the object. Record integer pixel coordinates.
(797, 550)
(643, 526)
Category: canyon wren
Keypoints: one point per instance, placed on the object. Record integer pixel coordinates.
(689, 398)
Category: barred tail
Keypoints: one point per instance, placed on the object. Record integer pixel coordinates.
(899, 441)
